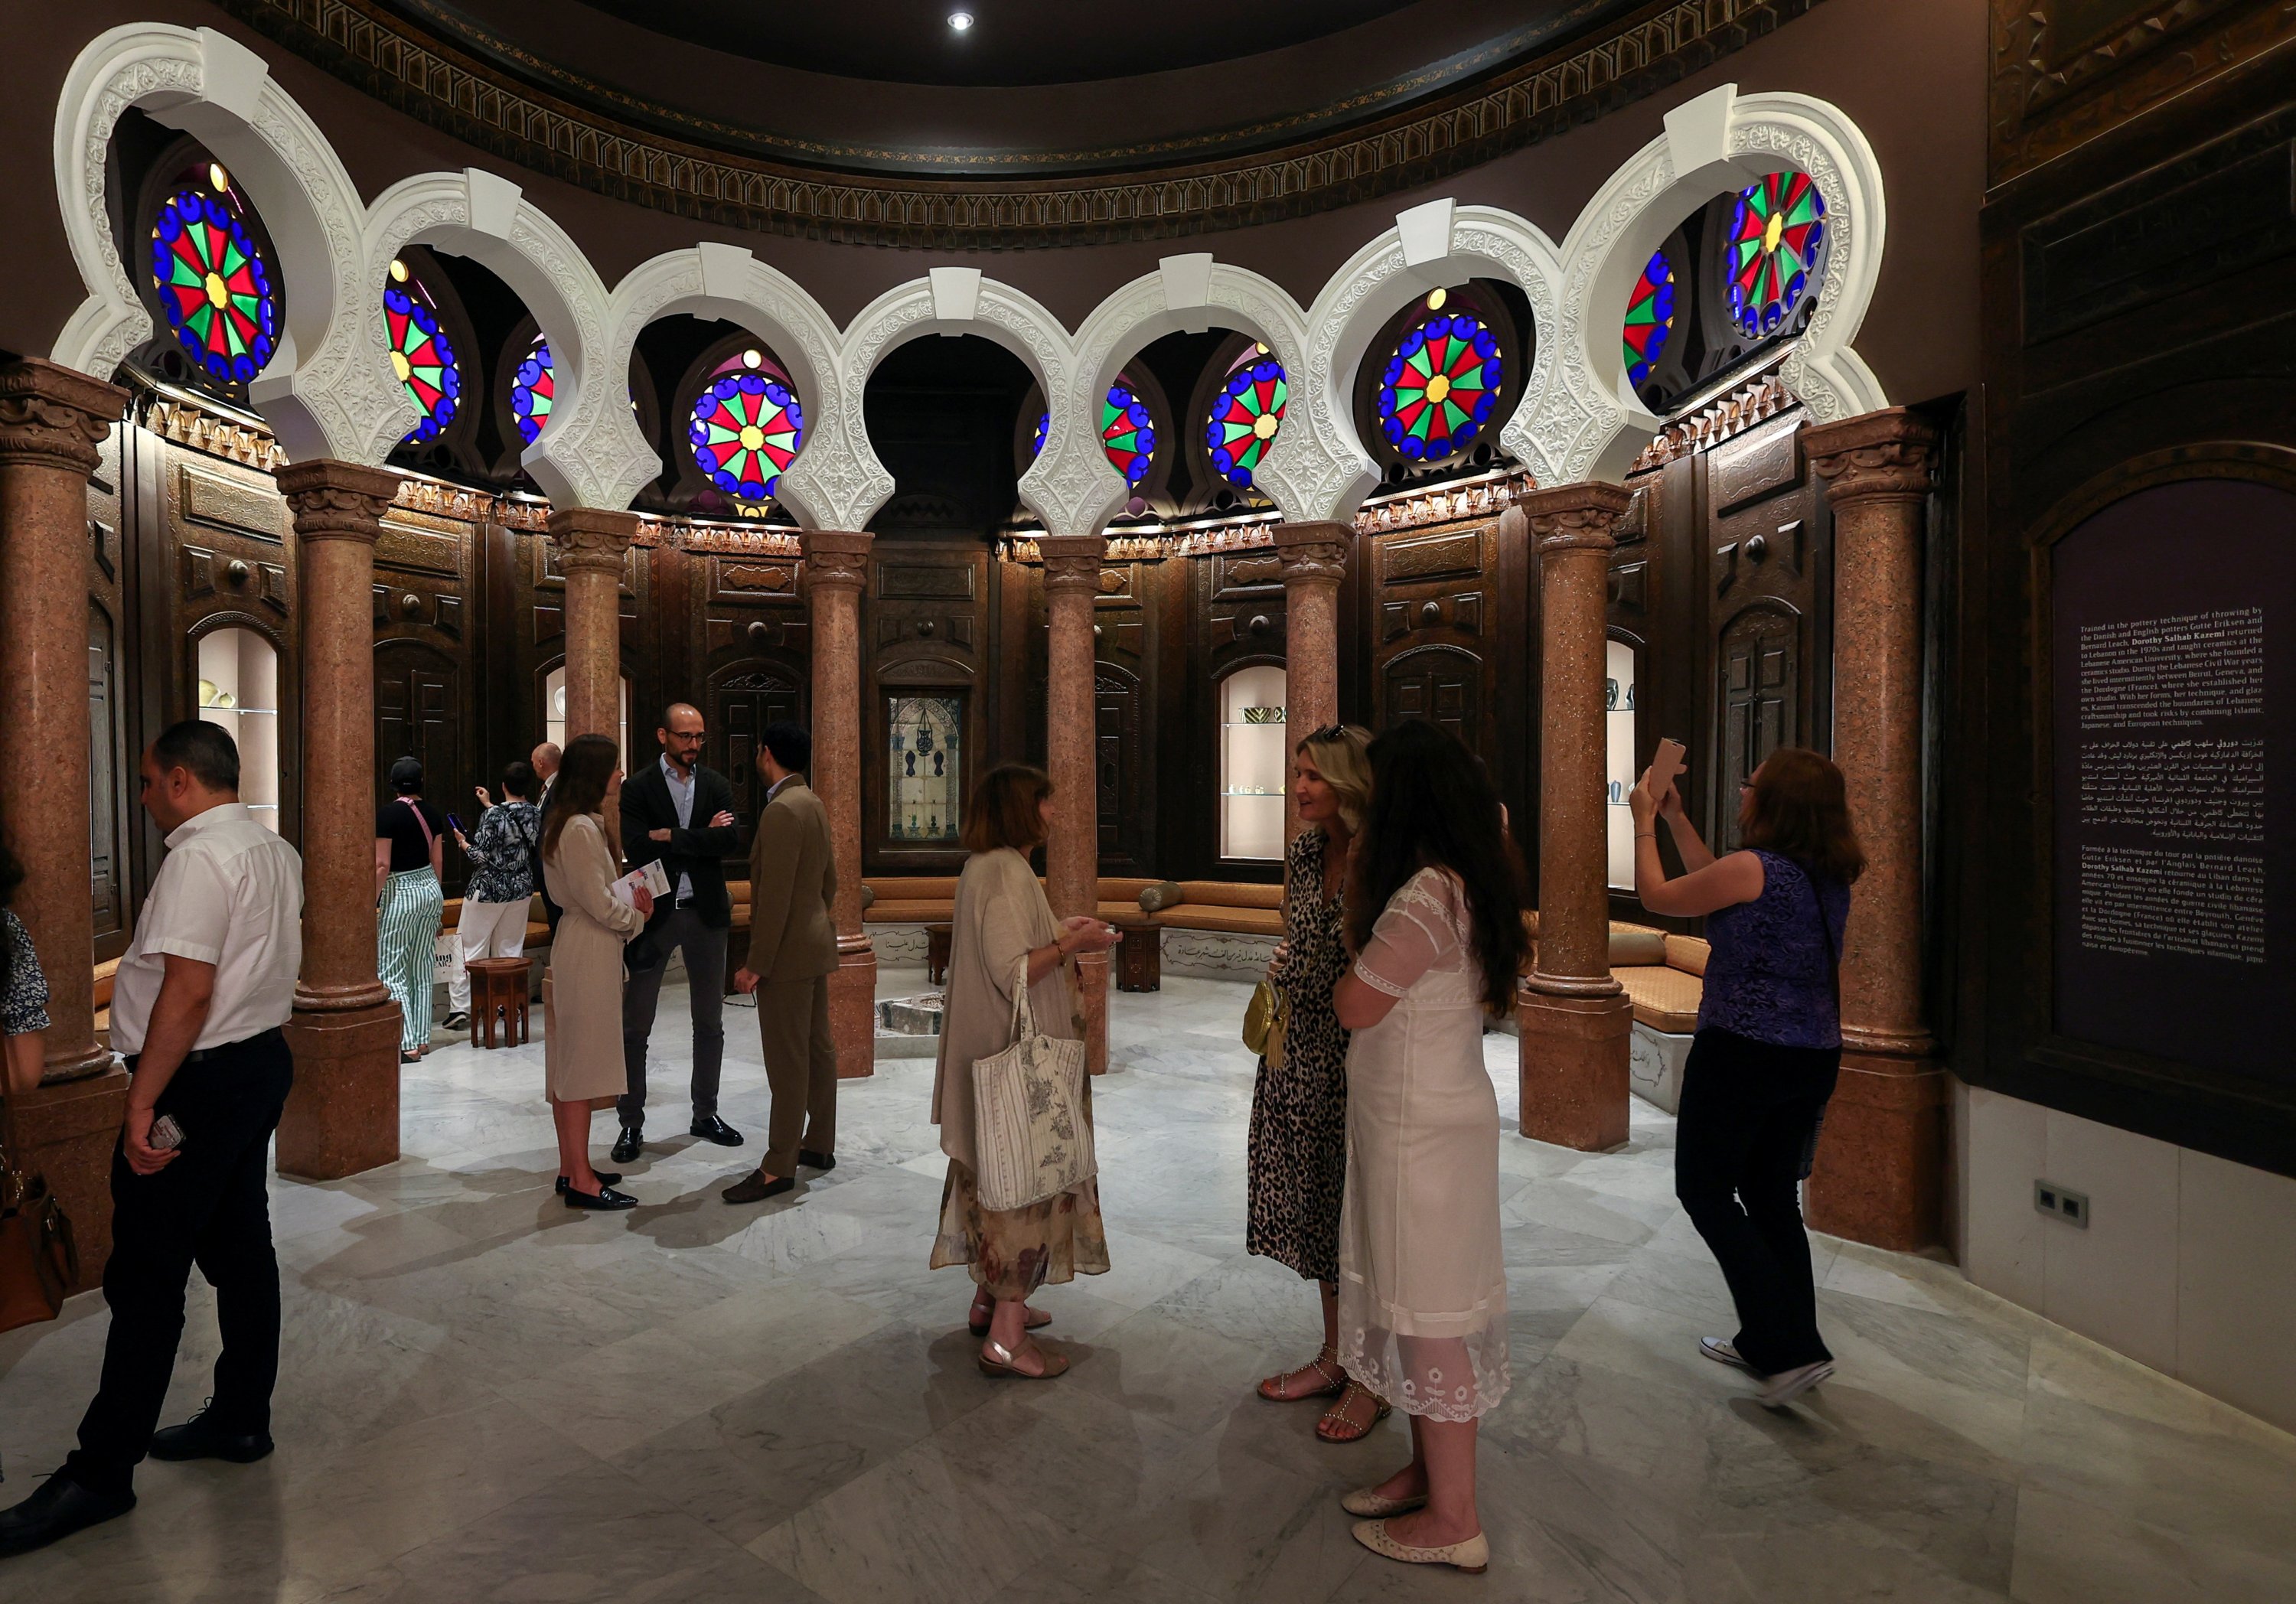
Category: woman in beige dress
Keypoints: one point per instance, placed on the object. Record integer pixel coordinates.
(1002, 922)
(582, 1025)
(1435, 917)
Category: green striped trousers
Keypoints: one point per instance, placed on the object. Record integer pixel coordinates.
(406, 934)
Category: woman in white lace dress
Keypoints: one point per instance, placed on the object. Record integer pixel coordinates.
(1435, 916)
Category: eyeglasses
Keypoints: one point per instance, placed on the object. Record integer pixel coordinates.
(1330, 732)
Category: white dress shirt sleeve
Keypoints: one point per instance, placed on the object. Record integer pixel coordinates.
(192, 917)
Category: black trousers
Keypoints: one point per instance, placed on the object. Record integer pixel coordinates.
(212, 1207)
(705, 975)
(1748, 1111)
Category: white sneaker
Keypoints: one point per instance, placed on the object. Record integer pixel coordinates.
(1722, 1353)
(1786, 1386)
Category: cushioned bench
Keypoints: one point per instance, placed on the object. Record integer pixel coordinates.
(1227, 907)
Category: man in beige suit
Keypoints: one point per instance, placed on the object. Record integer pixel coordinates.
(793, 953)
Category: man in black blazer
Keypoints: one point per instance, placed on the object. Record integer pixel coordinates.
(682, 814)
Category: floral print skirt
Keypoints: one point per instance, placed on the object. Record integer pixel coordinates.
(1014, 1251)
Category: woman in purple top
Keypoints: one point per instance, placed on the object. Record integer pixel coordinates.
(1768, 1042)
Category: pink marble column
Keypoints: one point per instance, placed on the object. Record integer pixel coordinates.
(1313, 557)
(593, 551)
(51, 419)
(342, 1116)
(1880, 1164)
(836, 569)
(1072, 857)
(1576, 1019)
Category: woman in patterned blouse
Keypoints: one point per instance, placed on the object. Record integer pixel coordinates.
(500, 890)
(23, 988)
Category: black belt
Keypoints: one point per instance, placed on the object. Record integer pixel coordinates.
(201, 1055)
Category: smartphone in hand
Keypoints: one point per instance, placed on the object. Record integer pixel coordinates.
(1665, 765)
(455, 823)
(165, 1135)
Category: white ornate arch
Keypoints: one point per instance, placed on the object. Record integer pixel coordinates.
(314, 394)
(846, 489)
(1191, 293)
(1326, 472)
(719, 281)
(484, 216)
(1720, 140)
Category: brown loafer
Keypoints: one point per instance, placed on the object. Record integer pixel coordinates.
(756, 1187)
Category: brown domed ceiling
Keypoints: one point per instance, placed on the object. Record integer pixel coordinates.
(1045, 122)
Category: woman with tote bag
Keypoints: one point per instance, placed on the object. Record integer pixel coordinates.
(1003, 929)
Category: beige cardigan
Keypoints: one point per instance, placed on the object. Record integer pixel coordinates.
(1001, 916)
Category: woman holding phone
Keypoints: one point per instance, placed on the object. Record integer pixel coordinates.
(1769, 1040)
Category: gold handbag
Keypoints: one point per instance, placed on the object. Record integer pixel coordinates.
(1264, 1022)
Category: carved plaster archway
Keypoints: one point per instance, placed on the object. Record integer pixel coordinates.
(314, 394)
(1720, 140)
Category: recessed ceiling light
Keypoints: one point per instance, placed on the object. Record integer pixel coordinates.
(960, 21)
(1436, 299)
(218, 179)
(397, 271)
(752, 358)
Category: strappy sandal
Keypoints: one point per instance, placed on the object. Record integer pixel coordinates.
(997, 1360)
(1272, 1388)
(978, 1323)
(1350, 1430)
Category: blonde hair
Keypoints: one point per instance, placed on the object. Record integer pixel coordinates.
(1341, 755)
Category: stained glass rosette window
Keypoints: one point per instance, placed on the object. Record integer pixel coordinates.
(218, 292)
(1649, 319)
(1245, 416)
(423, 358)
(1127, 433)
(1036, 441)
(745, 429)
(1440, 387)
(533, 389)
(1775, 235)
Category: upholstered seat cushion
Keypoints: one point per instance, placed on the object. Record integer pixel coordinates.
(1234, 921)
(1631, 944)
(1231, 894)
(1686, 953)
(1665, 999)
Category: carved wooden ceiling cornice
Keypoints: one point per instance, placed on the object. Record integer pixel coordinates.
(391, 57)
(2053, 88)
(1757, 401)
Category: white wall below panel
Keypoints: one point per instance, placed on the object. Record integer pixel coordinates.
(2005, 1146)
(2236, 1292)
(2116, 1281)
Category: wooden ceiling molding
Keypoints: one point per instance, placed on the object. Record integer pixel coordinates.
(391, 57)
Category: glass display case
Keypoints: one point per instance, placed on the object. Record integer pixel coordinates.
(1255, 764)
(239, 690)
(553, 720)
(1619, 729)
(925, 759)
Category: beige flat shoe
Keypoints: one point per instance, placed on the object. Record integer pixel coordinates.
(997, 1360)
(1473, 1556)
(1368, 1502)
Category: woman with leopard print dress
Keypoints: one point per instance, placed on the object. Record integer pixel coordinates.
(1298, 1153)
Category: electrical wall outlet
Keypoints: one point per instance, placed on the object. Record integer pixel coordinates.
(2066, 1205)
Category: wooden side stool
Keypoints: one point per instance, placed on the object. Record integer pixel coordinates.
(937, 942)
(498, 983)
(1140, 955)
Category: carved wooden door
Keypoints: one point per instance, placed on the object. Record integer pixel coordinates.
(741, 707)
(1439, 683)
(417, 692)
(107, 873)
(1118, 765)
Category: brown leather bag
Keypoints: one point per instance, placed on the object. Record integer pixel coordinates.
(38, 1259)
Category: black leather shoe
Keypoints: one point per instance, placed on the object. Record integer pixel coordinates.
(59, 1508)
(812, 1161)
(605, 1178)
(710, 1128)
(754, 1188)
(203, 1437)
(626, 1145)
(605, 1198)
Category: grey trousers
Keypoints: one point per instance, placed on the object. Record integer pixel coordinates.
(705, 975)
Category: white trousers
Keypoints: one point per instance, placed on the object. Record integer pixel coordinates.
(486, 931)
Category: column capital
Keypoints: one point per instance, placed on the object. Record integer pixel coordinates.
(333, 499)
(1576, 518)
(53, 416)
(836, 559)
(1887, 455)
(1313, 552)
(1073, 562)
(592, 537)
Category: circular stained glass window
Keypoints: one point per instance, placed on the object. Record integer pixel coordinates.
(1127, 433)
(1439, 389)
(1775, 233)
(1245, 416)
(533, 387)
(423, 358)
(746, 427)
(219, 294)
(1649, 319)
(1036, 441)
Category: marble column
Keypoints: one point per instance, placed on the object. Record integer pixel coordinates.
(1576, 1019)
(52, 421)
(1313, 556)
(592, 555)
(1072, 857)
(342, 1116)
(836, 569)
(1880, 1164)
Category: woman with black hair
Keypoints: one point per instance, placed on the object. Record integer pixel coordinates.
(409, 864)
(1434, 914)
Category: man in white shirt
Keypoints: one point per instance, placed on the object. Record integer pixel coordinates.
(196, 1009)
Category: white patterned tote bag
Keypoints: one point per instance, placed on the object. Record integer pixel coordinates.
(1029, 1133)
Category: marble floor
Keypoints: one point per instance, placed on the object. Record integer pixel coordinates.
(487, 1397)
